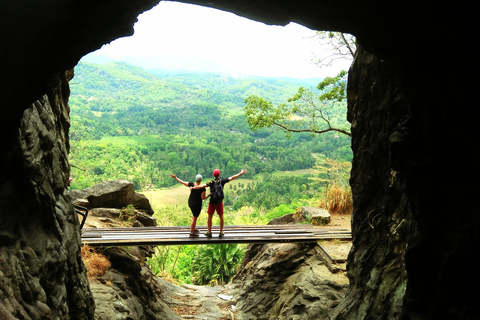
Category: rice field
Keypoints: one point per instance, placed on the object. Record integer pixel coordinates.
(178, 194)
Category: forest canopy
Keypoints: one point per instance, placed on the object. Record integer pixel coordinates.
(128, 123)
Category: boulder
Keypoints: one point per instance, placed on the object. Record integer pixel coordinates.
(145, 219)
(81, 202)
(286, 219)
(106, 212)
(316, 215)
(140, 201)
(112, 194)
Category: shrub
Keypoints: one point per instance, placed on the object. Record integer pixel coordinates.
(337, 200)
(216, 264)
(96, 263)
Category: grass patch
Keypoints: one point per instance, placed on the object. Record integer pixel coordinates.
(178, 195)
(97, 264)
(293, 173)
(337, 200)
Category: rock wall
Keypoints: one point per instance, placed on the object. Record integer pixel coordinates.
(128, 289)
(409, 230)
(286, 281)
(382, 222)
(41, 274)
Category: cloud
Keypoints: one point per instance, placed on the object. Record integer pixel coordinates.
(222, 40)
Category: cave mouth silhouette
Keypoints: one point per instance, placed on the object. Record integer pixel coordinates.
(414, 139)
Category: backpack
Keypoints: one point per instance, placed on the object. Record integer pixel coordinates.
(216, 191)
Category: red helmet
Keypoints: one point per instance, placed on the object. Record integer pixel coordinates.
(216, 173)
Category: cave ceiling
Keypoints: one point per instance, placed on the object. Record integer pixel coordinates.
(40, 38)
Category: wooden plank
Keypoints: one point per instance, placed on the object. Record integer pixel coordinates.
(233, 234)
(204, 240)
(227, 227)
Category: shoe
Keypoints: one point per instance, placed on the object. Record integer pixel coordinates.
(193, 235)
(221, 234)
(208, 234)
(196, 231)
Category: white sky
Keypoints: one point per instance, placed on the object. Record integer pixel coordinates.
(239, 45)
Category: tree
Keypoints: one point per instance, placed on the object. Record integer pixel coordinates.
(307, 111)
(342, 46)
(216, 263)
(304, 112)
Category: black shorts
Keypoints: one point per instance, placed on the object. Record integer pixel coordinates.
(196, 208)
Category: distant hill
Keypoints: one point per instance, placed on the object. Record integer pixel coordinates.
(175, 65)
(114, 86)
(129, 123)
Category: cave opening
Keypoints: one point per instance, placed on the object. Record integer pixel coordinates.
(144, 51)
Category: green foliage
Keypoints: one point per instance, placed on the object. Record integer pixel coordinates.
(271, 191)
(203, 264)
(331, 172)
(128, 214)
(177, 215)
(131, 124)
(216, 264)
(333, 88)
(306, 111)
(284, 209)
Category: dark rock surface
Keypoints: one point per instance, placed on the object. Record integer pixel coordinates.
(41, 274)
(129, 289)
(286, 281)
(112, 194)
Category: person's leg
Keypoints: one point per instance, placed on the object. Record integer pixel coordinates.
(220, 215)
(196, 209)
(195, 213)
(211, 210)
(193, 225)
(209, 222)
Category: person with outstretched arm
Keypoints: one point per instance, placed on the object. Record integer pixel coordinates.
(194, 201)
(216, 198)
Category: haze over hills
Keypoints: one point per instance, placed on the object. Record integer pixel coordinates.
(169, 64)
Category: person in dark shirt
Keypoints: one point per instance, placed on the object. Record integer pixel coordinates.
(216, 198)
(194, 201)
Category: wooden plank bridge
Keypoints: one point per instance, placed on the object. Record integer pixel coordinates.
(156, 236)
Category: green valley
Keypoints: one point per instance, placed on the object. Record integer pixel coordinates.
(131, 124)
(128, 123)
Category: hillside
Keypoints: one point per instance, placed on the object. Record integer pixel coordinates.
(128, 123)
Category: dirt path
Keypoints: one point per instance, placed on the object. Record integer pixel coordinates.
(200, 302)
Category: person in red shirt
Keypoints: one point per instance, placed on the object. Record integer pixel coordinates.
(216, 198)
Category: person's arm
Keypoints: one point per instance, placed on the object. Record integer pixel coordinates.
(174, 176)
(203, 195)
(200, 186)
(243, 171)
